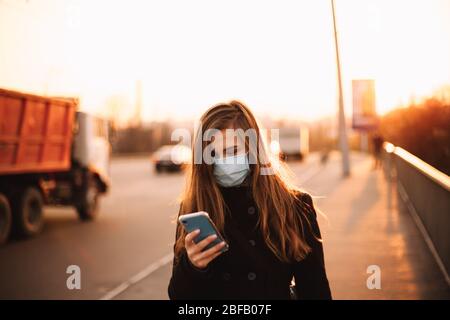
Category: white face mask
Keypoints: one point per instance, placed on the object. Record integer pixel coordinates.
(231, 171)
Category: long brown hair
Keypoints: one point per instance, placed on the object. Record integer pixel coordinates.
(275, 197)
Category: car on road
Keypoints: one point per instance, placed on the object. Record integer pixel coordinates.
(171, 158)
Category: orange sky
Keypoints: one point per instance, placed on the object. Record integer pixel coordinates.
(278, 56)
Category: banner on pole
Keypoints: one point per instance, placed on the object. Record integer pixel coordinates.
(364, 105)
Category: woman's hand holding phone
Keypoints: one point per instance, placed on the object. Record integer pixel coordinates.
(198, 258)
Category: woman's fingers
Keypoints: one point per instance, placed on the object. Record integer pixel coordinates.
(212, 257)
(203, 262)
(209, 254)
(202, 244)
(211, 251)
(189, 239)
(198, 257)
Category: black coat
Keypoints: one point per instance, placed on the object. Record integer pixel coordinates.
(249, 270)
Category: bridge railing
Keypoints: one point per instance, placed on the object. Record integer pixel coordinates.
(426, 192)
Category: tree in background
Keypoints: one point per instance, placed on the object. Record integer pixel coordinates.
(422, 129)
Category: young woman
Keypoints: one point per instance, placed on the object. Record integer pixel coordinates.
(269, 225)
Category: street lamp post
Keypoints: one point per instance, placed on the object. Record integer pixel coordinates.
(343, 142)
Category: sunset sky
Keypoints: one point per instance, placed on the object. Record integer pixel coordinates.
(278, 56)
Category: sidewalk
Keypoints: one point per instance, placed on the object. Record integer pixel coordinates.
(367, 225)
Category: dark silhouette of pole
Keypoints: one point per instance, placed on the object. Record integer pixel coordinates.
(343, 142)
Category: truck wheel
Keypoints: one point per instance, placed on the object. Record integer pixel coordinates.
(28, 213)
(88, 205)
(5, 219)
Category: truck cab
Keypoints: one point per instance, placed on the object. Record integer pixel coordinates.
(91, 153)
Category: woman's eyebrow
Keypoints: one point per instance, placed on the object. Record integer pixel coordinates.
(232, 148)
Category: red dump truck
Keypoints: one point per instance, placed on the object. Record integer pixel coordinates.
(50, 154)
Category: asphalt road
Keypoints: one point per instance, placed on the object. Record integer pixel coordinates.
(134, 230)
(126, 252)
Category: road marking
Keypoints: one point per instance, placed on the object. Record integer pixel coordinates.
(138, 277)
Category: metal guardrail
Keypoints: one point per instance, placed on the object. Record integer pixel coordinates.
(426, 192)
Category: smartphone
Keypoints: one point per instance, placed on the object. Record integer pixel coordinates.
(201, 220)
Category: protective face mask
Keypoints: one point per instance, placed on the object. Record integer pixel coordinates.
(231, 171)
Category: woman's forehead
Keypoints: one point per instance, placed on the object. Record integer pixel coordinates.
(229, 137)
